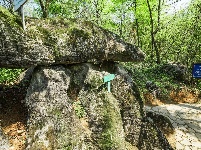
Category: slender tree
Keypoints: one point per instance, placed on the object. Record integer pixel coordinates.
(153, 41)
(44, 4)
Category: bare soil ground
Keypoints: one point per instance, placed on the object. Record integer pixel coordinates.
(183, 95)
(13, 115)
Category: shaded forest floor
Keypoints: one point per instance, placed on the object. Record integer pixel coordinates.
(13, 115)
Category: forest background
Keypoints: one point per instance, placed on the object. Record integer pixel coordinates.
(169, 34)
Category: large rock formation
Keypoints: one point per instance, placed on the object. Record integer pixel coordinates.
(69, 105)
(59, 41)
(52, 97)
(59, 95)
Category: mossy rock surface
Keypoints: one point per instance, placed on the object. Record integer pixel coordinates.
(70, 108)
(53, 121)
(59, 41)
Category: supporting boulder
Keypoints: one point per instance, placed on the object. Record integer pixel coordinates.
(53, 123)
(70, 108)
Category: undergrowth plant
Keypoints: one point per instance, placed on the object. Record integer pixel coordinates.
(9, 75)
(79, 109)
(165, 81)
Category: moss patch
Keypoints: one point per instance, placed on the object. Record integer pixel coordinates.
(79, 33)
(112, 137)
(9, 18)
(96, 81)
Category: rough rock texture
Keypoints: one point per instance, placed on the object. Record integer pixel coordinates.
(59, 41)
(52, 123)
(151, 137)
(4, 143)
(112, 121)
(176, 70)
(69, 106)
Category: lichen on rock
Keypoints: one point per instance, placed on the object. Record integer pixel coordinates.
(69, 105)
(53, 123)
(4, 143)
(59, 41)
(110, 121)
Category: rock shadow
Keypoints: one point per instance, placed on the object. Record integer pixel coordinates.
(13, 115)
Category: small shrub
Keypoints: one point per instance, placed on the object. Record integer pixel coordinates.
(9, 75)
(79, 109)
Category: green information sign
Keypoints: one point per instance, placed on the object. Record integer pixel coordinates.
(107, 79)
(18, 4)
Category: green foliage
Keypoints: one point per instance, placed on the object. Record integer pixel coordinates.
(9, 75)
(183, 43)
(154, 73)
(64, 8)
(11, 20)
(79, 109)
(177, 36)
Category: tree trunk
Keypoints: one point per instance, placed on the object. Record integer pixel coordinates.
(137, 25)
(153, 41)
(159, 12)
(44, 4)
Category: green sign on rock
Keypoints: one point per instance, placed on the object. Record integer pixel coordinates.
(107, 79)
(18, 4)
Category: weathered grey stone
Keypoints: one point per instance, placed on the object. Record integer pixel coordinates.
(4, 143)
(52, 121)
(111, 120)
(177, 70)
(151, 137)
(25, 76)
(59, 41)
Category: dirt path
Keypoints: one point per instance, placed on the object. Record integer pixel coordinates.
(186, 119)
